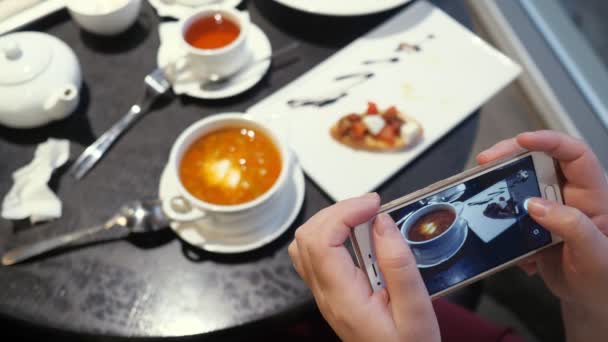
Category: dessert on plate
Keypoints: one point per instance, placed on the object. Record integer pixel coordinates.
(377, 130)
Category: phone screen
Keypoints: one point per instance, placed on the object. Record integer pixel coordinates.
(474, 226)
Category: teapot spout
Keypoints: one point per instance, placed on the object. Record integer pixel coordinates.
(62, 102)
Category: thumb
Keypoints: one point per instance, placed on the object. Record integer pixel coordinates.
(409, 300)
(572, 225)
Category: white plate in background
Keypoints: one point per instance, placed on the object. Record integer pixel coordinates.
(441, 84)
(342, 7)
(30, 14)
(177, 10)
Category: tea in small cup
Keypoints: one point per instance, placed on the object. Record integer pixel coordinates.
(216, 40)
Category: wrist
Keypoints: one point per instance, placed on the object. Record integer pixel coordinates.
(584, 323)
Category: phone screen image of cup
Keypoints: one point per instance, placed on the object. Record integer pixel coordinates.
(473, 227)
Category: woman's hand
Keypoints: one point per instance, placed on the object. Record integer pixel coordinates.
(401, 312)
(577, 271)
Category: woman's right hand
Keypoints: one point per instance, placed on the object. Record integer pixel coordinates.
(577, 271)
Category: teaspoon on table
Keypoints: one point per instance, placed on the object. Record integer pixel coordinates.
(214, 81)
(133, 218)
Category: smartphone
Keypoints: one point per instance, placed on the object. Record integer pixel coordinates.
(471, 225)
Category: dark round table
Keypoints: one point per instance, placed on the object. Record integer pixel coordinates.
(155, 285)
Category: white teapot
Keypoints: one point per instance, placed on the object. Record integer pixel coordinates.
(40, 79)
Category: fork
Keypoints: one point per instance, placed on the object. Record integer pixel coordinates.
(156, 85)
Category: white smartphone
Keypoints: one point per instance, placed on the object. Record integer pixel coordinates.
(471, 225)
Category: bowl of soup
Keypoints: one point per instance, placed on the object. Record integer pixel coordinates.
(434, 232)
(227, 166)
(215, 40)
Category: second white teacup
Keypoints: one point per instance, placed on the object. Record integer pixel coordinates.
(225, 59)
(188, 208)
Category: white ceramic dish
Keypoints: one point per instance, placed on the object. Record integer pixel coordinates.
(176, 9)
(223, 61)
(342, 7)
(462, 240)
(246, 235)
(446, 244)
(105, 20)
(441, 84)
(30, 15)
(40, 80)
(222, 213)
(258, 46)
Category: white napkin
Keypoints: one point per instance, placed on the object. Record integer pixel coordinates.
(30, 195)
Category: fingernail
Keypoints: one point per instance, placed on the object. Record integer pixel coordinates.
(538, 207)
(384, 224)
(371, 196)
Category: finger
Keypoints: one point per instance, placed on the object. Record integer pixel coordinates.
(499, 150)
(602, 223)
(550, 267)
(323, 238)
(574, 227)
(579, 163)
(339, 219)
(409, 298)
(330, 271)
(305, 263)
(327, 250)
(295, 259)
(528, 266)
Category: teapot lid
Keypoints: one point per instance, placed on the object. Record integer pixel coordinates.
(23, 56)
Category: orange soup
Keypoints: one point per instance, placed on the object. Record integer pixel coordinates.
(212, 32)
(230, 166)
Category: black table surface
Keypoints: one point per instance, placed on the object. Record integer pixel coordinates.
(156, 285)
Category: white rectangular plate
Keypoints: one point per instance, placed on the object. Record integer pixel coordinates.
(451, 75)
(30, 14)
(343, 7)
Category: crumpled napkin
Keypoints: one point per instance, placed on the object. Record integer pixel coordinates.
(30, 195)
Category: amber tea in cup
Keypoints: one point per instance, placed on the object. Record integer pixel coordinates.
(230, 166)
(431, 225)
(214, 31)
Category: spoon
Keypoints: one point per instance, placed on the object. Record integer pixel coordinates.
(216, 81)
(133, 218)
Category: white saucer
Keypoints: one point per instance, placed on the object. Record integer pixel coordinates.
(171, 49)
(177, 10)
(449, 256)
(241, 236)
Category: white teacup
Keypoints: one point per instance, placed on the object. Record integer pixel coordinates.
(103, 17)
(188, 208)
(437, 248)
(223, 61)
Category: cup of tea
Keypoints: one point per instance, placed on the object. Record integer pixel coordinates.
(434, 231)
(228, 168)
(215, 40)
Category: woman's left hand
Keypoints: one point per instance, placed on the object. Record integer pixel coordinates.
(401, 312)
